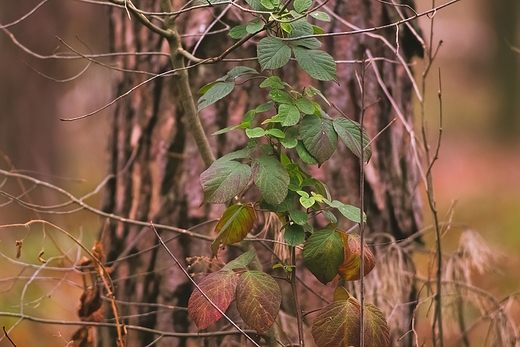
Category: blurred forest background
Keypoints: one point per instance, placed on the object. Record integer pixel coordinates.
(479, 164)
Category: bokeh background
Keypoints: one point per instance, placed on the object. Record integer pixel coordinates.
(478, 171)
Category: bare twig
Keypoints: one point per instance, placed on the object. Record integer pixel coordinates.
(127, 327)
(6, 335)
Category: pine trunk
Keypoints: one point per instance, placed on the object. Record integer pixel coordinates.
(156, 165)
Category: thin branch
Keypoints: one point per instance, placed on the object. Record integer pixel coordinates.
(6, 335)
(428, 13)
(99, 212)
(19, 20)
(401, 117)
(127, 327)
(128, 92)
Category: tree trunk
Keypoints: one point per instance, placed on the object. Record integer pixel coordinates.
(156, 165)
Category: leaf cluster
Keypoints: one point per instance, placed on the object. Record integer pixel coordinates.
(293, 131)
(258, 296)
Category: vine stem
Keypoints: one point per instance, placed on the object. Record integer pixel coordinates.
(183, 85)
(362, 211)
(297, 306)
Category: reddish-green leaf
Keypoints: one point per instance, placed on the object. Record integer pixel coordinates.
(323, 254)
(258, 299)
(338, 325)
(223, 180)
(319, 137)
(350, 269)
(220, 288)
(234, 225)
(377, 333)
(340, 293)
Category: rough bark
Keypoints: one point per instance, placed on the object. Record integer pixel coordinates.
(156, 165)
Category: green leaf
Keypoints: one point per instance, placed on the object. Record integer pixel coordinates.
(301, 28)
(206, 87)
(287, 27)
(238, 71)
(329, 216)
(220, 288)
(270, 4)
(275, 133)
(318, 64)
(349, 132)
(254, 26)
(302, 193)
(281, 97)
(272, 53)
(302, 5)
(266, 106)
(241, 261)
(289, 115)
(234, 225)
(317, 30)
(323, 254)
(271, 178)
(225, 130)
(289, 142)
(308, 42)
(310, 91)
(223, 180)
(299, 217)
(294, 235)
(256, 5)
(348, 211)
(255, 132)
(319, 137)
(274, 82)
(338, 325)
(304, 154)
(305, 105)
(249, 116)
(319, 15)
(258, 299)
(238, 32)
(307, 202)
(217, 91)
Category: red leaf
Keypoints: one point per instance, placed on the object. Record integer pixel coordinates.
(258, 299)
(220, 287)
